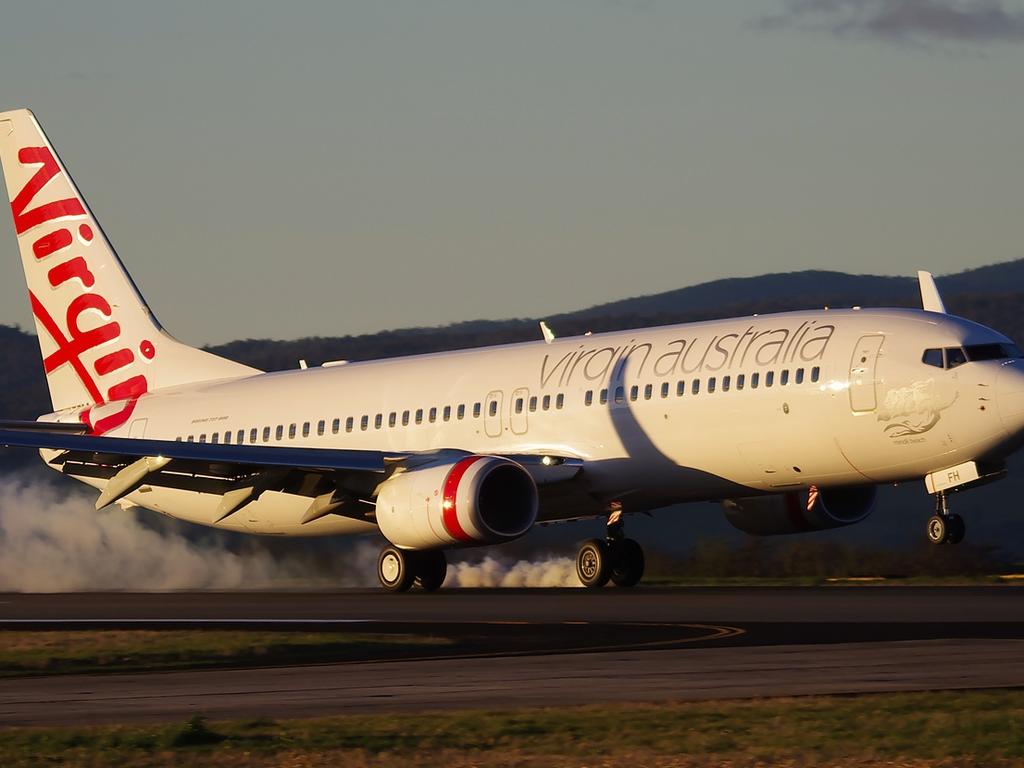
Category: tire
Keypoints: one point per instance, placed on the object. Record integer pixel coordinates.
(593, 566)
(627, 563)
(938, 529)
(431, 570)
(957, 529)
(393, 570)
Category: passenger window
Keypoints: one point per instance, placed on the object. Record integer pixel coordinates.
(932, 357)
(279, 434)
(446, 414)
(664, 389)
(784, 377)
(769, 378)
(711, 384)
(695, 387)
(227, 437)
(954, 357)
(349, 424)
(620, 394)
(202, 438)
(460, 413)
(604, 396)
(588, 399)
(240, 437)
(799, 375)
(726, 380)
(321, 427)
(680, 388)
(634, 392)
(190, 439)
(755, 379)
(215, 438)
(815, 373)
(492, 408)
(291, 431)
(533, 403)
(648, 391)
(546, 403)
(336, 426)
(252, 435)
(177, 439)
(419, 415)
(519, 405)
(739, 381)
(364, 423)
(266, 434)
(559, 401)
(433, 415)
(405, 418)
(392, 419)
(476, 410)
(305, 429)
(378, 421)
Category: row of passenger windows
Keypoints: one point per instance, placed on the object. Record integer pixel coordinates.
(430, 415)
(740, 381)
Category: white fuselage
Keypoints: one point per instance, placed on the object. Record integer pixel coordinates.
(830, 398)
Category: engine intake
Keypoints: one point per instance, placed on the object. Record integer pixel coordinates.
(475, 500)
(801, 511)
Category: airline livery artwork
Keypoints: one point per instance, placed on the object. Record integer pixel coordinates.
(805, 343)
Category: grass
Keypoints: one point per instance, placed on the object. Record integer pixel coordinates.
(974, 728)
(27, 653)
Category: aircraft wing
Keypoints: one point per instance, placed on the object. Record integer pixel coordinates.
(334, 478)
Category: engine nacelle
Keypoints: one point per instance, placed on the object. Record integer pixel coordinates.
(800, 511)
(475, 500)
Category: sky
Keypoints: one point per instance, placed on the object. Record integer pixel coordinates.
(279, 170)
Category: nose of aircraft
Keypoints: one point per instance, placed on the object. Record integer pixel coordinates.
(1010, 396)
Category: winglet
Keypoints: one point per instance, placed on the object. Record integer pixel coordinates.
(931, 301)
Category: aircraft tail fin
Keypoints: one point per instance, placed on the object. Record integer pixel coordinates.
(99, 340)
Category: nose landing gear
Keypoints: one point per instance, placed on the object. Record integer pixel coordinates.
(613, 558)
(944, 527)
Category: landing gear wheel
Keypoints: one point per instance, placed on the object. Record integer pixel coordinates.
(394, 571)
(431, 569)
(956, 529)
(593, 563)
(938, 529)
(627, 563)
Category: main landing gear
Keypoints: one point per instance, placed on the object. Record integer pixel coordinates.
(943, 527)
(614, 558)
(398, 569)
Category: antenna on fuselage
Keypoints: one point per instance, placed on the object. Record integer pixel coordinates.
(931, 301)
(548, 334)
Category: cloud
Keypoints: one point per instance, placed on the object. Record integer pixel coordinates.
(904, 21)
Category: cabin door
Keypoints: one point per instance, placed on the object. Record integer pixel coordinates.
(864, 373)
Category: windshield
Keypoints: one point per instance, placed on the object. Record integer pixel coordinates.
(951, 357)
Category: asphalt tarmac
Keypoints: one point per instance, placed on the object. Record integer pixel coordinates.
(516, 648)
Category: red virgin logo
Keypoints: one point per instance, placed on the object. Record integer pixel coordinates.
(62, 252)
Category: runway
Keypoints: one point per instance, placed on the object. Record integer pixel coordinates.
(540, 648)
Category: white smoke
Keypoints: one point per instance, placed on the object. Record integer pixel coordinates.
(55, 541)
(495, 572)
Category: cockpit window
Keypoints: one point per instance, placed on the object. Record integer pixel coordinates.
(951, 357)
(991, 351)
(954, 357)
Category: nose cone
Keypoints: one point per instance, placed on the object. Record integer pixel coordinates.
(1010, 396)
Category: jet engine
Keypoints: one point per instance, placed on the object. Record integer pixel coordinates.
(800, 511)
(472, 501)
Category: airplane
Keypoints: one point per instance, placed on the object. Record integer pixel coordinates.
(791, 420)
